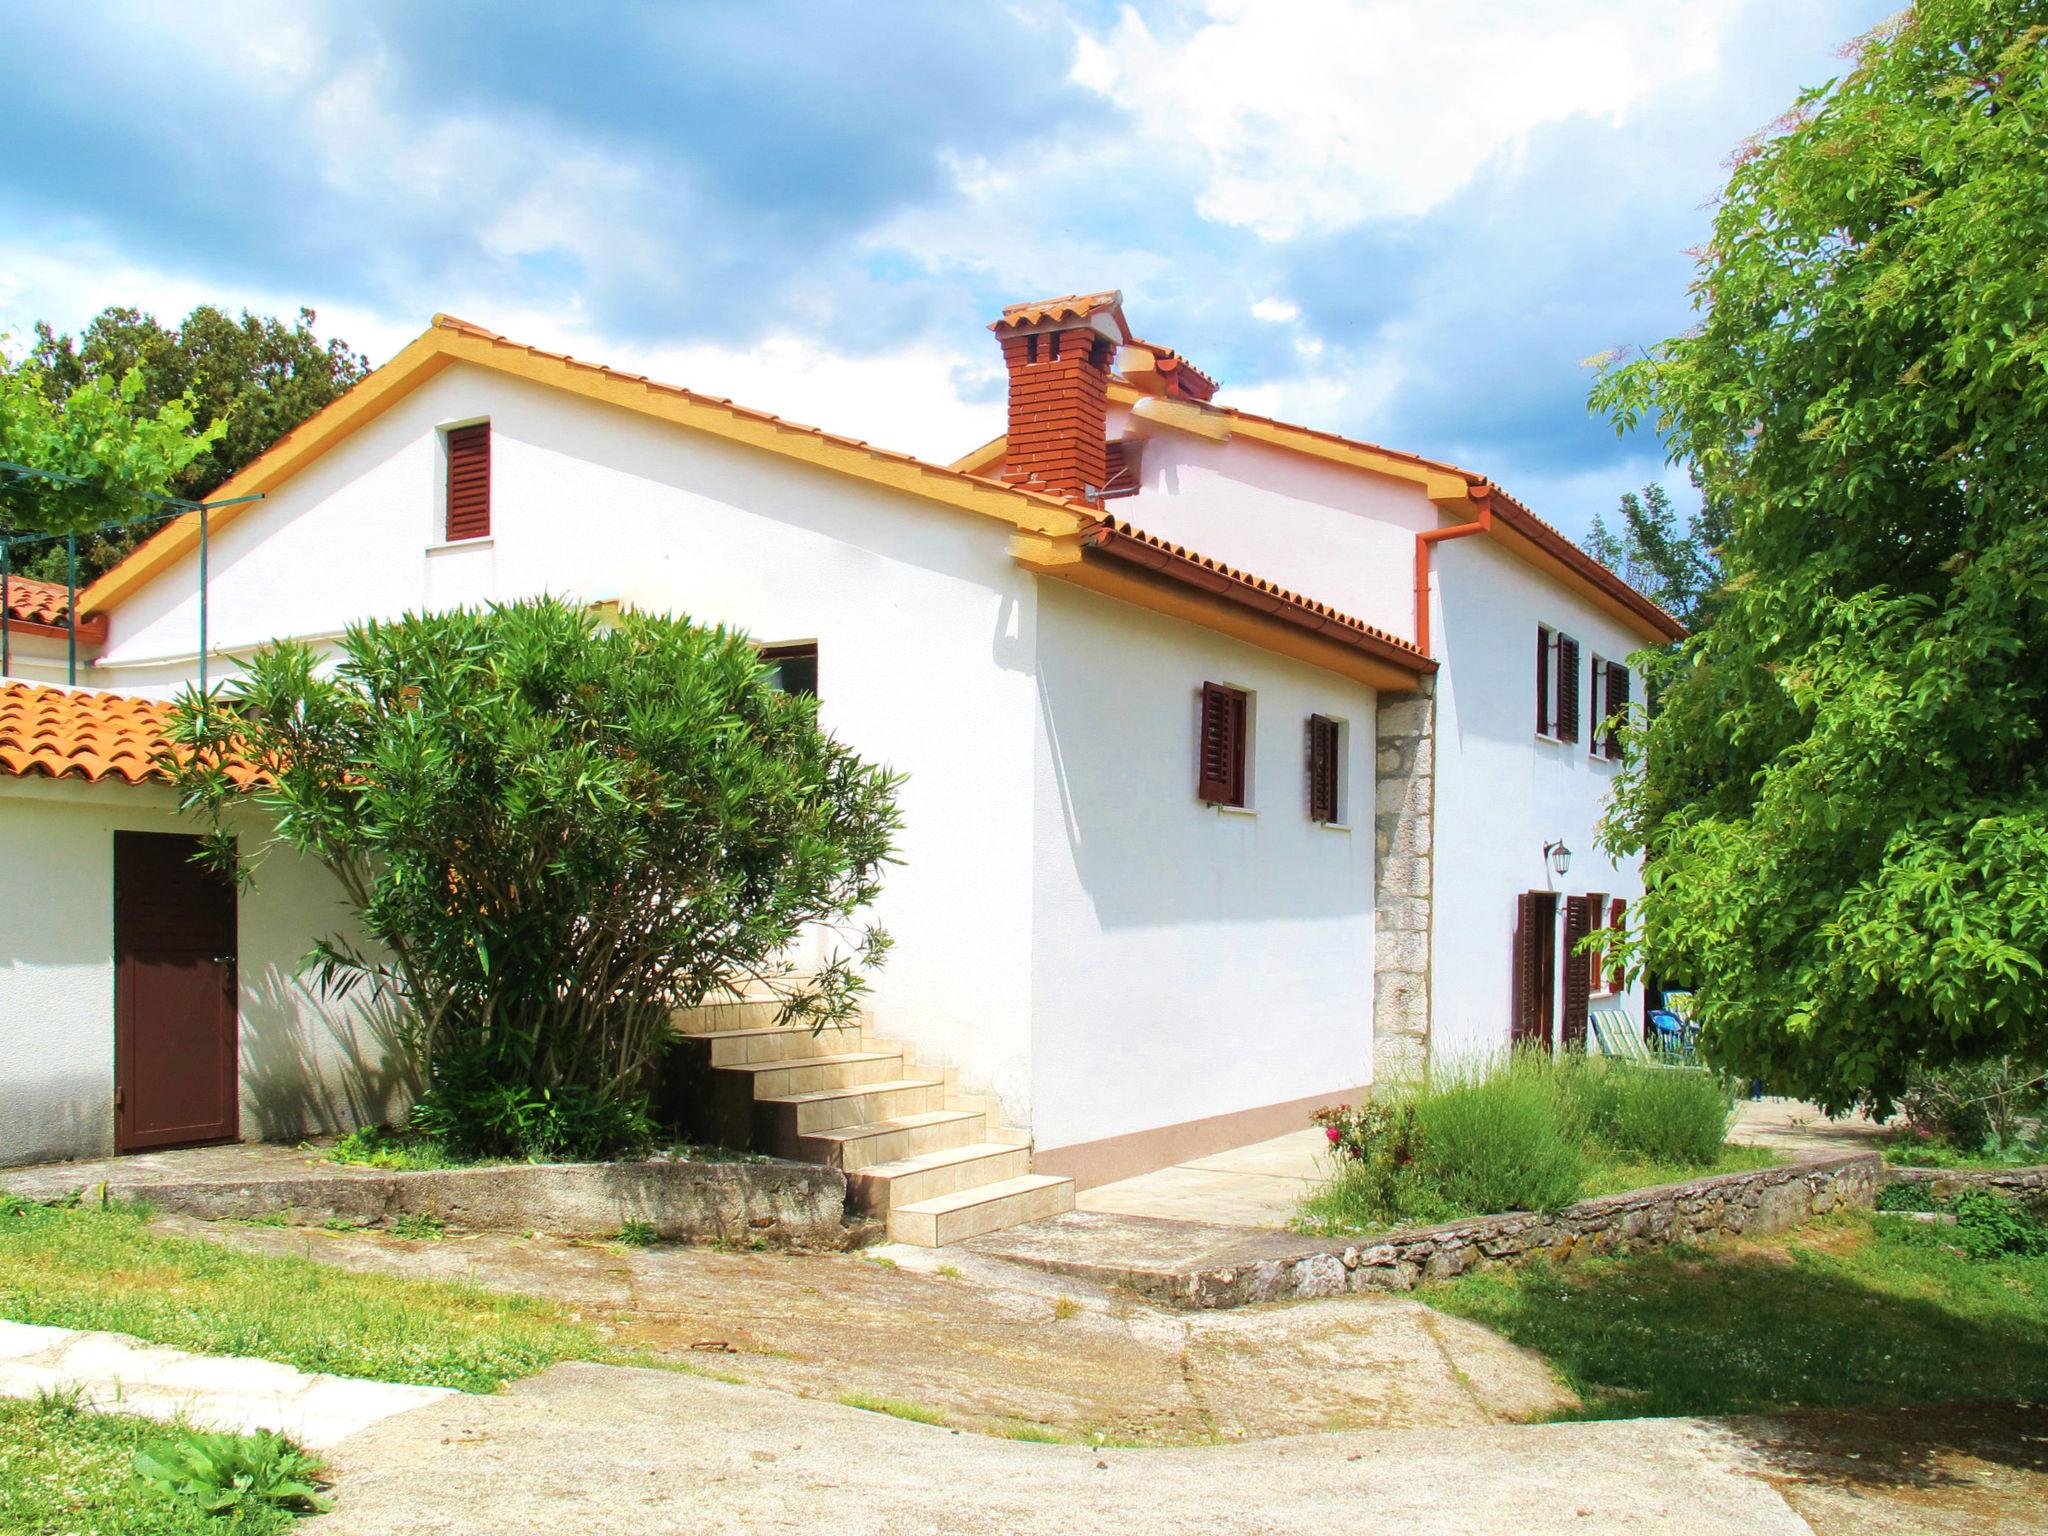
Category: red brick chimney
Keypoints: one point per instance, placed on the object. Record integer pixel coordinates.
(1060, 353)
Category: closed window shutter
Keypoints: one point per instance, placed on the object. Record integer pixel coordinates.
(469, 482)
(1542, 681)
(1535, 939)
(1322, 768)
(1617, 920)
(1578, 969)
(1617, 704)
(1596, 688)
(1567, 688)
(1219, 773)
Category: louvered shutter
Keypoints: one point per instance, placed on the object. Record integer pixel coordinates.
(1542, 681)
(1219, 773)
(1535, 932)
(1617, 919)
(1322, 768)
(469, 482)
(1578, 969)
(1617, 704)
(1567, 688)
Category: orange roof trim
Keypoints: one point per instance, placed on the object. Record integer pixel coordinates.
(59, 733)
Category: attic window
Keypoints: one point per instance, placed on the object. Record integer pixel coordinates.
(469, 482)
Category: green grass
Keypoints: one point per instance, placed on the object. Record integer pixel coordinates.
(102, 1267)
(1910, 1151)
(895, 1407)
(72, 1472)
(1846, 1312)
(1528, 1132)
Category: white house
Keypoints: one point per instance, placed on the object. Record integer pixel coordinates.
(1239, 754)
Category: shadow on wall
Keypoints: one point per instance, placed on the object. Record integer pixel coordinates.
(314, 1065)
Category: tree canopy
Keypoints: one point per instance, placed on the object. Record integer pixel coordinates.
(1843, 798)
(1675, 563)
(251, 380)
(553, 831)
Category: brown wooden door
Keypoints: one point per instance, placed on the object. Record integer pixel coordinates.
(174, 996)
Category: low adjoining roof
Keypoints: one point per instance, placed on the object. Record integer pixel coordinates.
(44, 608)
(66, 733)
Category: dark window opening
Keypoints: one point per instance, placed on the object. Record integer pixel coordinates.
(793, 668)
(1220, 751)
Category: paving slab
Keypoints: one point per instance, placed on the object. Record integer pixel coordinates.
(1798, 1129)
(1258, 1185)
(114, 1373)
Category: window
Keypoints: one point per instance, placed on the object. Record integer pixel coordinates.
(793, 668)
(1617, 922)
(1580, 915)
(1596, 959)
(1613, 704)
(1220, 747)
(468, 503)
(1325, 769)
(1557, 684)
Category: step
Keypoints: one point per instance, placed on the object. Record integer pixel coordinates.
(970, 1212)
(881, 1186)
(726, 1015)
(775, 1042)
(812, 1074)
(778, 1121)
(892, 1140)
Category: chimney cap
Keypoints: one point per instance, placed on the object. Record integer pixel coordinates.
(1068, 307)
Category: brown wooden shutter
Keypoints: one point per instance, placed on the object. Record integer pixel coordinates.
(1219, 770)
(1617, 920)
(1535, 949)
(1617, 704)
(1322, 768)
(469, 482)
(1542, 681)
(1596, 687)
(1579, 917)
(1567, 688)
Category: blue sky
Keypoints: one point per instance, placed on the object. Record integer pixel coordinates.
(1408, 221)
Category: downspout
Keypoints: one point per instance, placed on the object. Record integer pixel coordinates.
(1483, 494)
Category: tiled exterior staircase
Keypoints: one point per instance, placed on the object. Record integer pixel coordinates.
(937, 1166)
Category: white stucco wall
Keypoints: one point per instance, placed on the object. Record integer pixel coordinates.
(924, 626)
(307, 1064)
(40, 659)
(1340, 535)
(1188, 961)
(1501, 793)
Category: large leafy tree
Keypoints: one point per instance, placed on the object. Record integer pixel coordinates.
(256, 377)
(554, 831)
(103, 448)
(1844, 796)
(1670, 558)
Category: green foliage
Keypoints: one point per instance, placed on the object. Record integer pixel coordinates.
(1974, 1106)
(554, 832)
(1843, 797)
(102, 1267)
(1841, 1313)
(105, 432)
(637, 1234)
(1994, 1226)
(894, 1407)
(65, 1469)
(230, 1474)
(376, 1146)
(256, 378)
(1676, 565)
(418, 1225)
(1526, 1132)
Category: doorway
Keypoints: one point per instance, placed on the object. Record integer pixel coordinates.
(175, 1034)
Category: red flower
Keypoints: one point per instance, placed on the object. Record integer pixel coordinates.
(1334, 1134)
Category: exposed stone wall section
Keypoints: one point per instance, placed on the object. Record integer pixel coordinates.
(1754, 1203)
(1404, 839)
(2028, 1185)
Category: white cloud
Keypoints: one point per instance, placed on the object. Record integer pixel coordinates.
(1279, 311)
(1317, 114)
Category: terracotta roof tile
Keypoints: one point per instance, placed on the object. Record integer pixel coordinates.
(64, 734)
(1305, 606)
(47, 606)
(1068, 306)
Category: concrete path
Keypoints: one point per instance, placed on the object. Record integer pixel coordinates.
(1795, 1129)
(118, 1374)
(1253, 1186)
(598, 1451)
